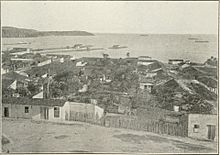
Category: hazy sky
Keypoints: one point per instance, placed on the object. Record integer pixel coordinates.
(114, 17)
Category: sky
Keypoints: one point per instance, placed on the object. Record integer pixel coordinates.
(113, 16)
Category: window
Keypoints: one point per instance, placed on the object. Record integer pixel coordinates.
(56, 112)
(26, 109)
(196, 128)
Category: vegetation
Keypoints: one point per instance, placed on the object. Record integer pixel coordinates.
(212, 61)
(13, 32)
(171, 94)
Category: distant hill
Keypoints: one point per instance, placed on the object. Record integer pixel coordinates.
(13, 32)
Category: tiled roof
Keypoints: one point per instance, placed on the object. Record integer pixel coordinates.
(31, 101)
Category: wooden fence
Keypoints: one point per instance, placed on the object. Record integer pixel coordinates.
(131, 122)
(154, 126)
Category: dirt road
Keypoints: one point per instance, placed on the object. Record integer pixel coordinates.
(27, 136)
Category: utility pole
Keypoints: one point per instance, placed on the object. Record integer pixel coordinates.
(48, 84)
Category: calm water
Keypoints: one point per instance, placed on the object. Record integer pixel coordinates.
(161, 47)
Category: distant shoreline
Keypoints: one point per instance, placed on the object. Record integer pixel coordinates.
(13, 32)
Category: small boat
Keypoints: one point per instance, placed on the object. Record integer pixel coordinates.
(144, 35)
(201, 41)
(117, 47)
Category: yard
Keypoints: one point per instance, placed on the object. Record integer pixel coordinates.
(28, 136)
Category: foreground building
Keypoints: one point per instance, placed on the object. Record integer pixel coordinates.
(45, 109)
(50, 109)
(203, 126)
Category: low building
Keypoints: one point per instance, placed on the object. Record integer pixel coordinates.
(146, 86)
(145, 62)
(46, 62)
(38, 109)
(203, 126)
(175, 61)
(151, 74)
(144, 58)
(22, 59)
(50, 109)
(81, 64)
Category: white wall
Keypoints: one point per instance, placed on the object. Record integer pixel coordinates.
(83, 108)
(44, 63)
(99, 111)
(202, 120)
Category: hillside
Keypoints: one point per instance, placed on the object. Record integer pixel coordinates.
(13, 32)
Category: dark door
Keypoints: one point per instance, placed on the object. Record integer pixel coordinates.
(211, 132)
(6, 112)
(44, 113)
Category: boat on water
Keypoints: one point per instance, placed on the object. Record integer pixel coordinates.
(117, 47)
(201, 41)
(144, 35)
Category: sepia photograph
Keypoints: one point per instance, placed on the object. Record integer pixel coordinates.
(109, 77)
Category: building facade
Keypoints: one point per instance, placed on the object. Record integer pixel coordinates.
(50, 109)
(203, 126)
(38, 109)
(146, 86)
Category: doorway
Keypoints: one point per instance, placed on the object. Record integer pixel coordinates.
(211, 132)
(44, 113)
(6, 112)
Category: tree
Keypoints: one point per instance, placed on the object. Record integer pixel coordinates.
(105, 56)
(23, 92)
(128, 54)
(195, 104)
(33, 88)
(55, 90)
